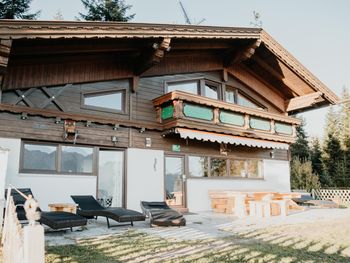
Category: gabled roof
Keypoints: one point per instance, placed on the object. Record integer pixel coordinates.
(27, 29)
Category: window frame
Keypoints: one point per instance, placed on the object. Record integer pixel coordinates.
(221, 88)
(228, 167)
(201, 82)
(58, 160)
(124, 100)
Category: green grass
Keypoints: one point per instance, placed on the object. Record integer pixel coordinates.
(256, 246)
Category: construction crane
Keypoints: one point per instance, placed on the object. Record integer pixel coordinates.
(187, 18)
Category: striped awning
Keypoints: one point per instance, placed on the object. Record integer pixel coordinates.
(231, 139)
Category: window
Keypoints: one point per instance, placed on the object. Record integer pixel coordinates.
(56, 158)
(76, 159)
(224, 167)
(230, 95)
(237, 168)
(247, 102)
(198, 166)
(218, 167)
(190, 87)
(39, 157)
(202, 87)
(106, 100)
(211, 91)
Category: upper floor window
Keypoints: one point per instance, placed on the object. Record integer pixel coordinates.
(113, 100)
(213, 90)
(190, 87)
(56, 158)
(198, 87)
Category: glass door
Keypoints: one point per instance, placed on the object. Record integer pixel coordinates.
(175, 181)
(111, 178)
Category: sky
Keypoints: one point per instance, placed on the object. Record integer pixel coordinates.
(316, 32)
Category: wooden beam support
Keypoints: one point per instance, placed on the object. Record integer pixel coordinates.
(303, 102)
(135, 83)
(154, 57)
(224, 75)
(242, 54)
(5, 49)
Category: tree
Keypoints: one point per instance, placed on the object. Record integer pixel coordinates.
(344, 118)
(331, 159)
(302, 176)
(300, 149)
(316, 160)
(106, 10)
(12, 9)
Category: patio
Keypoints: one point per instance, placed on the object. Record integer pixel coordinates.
(314, 234)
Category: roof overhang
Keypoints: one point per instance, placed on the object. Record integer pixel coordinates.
(229, 139)
(290, 74)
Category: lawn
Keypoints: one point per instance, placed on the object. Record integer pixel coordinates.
(312, 242)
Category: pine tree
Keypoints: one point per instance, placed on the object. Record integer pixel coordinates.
(106, 10)
(16, 9)
(300, 149)
(331, 160)
(316, 158)
(344, 118)
(302, 176)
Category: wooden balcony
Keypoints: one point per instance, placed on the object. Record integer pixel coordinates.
(181, 109)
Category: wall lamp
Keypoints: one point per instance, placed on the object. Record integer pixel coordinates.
(114, 139)
(116, 127)
(58, 120)
(142, 130)
(24, 116)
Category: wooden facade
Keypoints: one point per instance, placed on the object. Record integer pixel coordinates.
(48, 69)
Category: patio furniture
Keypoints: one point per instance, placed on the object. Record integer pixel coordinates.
(161, 214)
(89, 207)
(55, 220)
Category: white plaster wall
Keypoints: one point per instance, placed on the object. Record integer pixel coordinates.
(145, 177)
(276, 178)
(48, 188)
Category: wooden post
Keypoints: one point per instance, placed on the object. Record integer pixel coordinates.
(216, 116)
(34, 245)
(272, 124)
(178, 109)
(246, 122)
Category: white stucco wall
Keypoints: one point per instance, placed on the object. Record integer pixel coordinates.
(46, 188)
(276, 178)
(145, 177)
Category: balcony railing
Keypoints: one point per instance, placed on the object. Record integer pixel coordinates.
(177, 108)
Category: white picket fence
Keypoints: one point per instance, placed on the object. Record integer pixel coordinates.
(21, 244)
(329, 194)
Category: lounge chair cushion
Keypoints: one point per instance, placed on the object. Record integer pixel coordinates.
(60, 220)
(89, 207)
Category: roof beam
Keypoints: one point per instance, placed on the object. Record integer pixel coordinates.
(247, 77)
(5, 49)
(303, 102)
(155, 56)
(295, 88)
(242, 54)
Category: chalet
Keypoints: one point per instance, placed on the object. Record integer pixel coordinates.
(130, 112)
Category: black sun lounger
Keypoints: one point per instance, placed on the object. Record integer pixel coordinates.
(161, 214)
(90, 208)
(55, 220)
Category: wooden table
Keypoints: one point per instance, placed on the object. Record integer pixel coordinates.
(65, 207)
(237, 202)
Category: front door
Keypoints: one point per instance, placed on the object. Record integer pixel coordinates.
(111, 178)
(175, 181)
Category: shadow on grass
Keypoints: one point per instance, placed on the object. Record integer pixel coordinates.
(248, 247)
